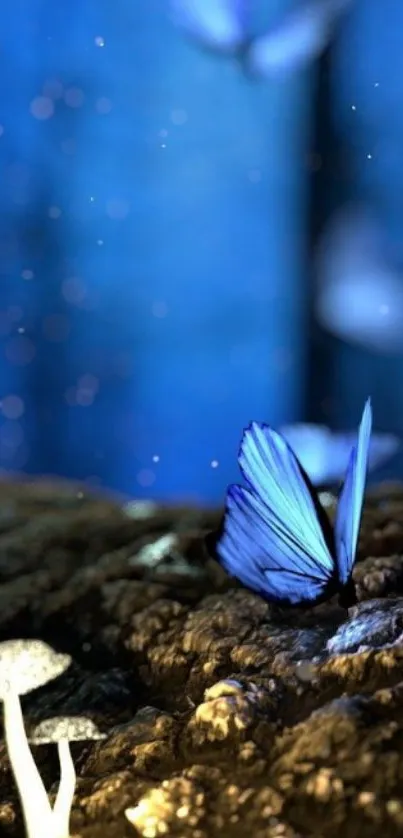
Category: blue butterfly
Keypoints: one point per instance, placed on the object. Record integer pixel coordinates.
(223, 27)
(324, 454)
(276, 537)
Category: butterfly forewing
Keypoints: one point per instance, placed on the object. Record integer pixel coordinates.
(351, 499)
(273, 473)
(215, 24)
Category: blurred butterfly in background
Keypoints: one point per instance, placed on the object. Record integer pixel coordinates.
(224, 27)
(360, 290)
(276, 538)
(324, 453)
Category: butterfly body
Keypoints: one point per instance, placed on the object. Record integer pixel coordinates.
(348, 595)
(276, 537)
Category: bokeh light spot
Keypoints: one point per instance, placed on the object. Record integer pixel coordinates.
(12, 407)
(56, 328)
(68, 146)
(145, 477)
(103, 105)
(74, 97)
(179, 116)
(11, 443)
(20, 350)
(254, 175)
(74, 291)
(14, 313)
(159, 309)
(54, 212)
(117, 209)
(5, 324)
(52, 89)
(42, 107)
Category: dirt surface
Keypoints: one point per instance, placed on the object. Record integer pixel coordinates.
(224, 716)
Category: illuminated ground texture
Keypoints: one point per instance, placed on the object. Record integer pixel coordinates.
(224, 716)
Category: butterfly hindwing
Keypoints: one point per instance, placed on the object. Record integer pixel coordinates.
(273, 539)
(351, 499)
(325, 454)
(255, 549)
(297, 40)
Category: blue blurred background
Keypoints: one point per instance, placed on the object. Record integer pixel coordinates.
(161, 216)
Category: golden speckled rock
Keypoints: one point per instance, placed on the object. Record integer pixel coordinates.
(224, 715)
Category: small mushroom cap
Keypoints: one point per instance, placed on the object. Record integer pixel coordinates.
(28, 664)
(73, 728)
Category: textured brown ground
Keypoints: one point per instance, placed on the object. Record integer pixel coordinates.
(225, 717)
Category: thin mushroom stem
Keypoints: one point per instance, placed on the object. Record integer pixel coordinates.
(35, 804)
(65, 793)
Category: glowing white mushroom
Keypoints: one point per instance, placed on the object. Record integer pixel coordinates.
(61, 730)
(26, 665)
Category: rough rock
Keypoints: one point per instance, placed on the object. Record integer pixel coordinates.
(224, 716)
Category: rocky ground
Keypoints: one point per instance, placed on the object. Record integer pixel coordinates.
(224, 716)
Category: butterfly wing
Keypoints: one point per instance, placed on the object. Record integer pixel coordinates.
(275, 536)
(381, 448)
(351, 499)
(299, 39)
(312, 446)
(215, 24)
(325, 455)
